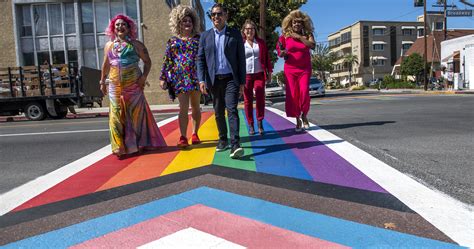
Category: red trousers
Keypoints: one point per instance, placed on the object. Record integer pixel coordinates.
(297, 92)
(254, 81)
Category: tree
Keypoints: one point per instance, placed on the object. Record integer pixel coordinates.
(350, 60)
(412, 65)
(276, 10)
(322, 60)
(279, 77)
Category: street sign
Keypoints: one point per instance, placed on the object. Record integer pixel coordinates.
(419, 3)
(459, 13)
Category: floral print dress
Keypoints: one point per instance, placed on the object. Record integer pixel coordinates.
(179, 65)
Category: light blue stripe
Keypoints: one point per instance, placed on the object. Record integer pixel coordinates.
(97, 227)
(316, 225)
(328, 228)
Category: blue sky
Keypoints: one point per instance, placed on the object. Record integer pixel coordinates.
(331, 15)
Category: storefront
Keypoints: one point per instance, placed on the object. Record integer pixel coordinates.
(36, 32)
(458, 60)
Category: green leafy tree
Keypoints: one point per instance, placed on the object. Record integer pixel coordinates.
(412, 66)
(275, 11)
(279, 77)
(350, 60)
(322, 60)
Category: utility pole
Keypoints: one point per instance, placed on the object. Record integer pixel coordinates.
(262, 19)
(425, 54)
(445, 21)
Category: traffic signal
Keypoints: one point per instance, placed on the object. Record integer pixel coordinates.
(419, 3)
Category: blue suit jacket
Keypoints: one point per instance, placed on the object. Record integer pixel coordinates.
(234, 52)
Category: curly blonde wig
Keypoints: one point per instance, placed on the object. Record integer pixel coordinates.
(178, 14)
(298, 15)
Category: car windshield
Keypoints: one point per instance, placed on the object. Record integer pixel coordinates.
(273, 84)
(314, 81)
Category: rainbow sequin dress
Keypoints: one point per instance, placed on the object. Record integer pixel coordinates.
(132, 126)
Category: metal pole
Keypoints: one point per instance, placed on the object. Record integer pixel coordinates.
(262, 19)
(445, 21)
(425, 56)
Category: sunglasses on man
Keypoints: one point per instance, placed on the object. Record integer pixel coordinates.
(218, 14)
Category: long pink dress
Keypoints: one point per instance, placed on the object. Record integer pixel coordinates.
(297, 71)
(132, 125)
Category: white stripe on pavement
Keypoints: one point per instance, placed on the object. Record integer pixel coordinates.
(19, 195)
(51, 133)
(452, 217)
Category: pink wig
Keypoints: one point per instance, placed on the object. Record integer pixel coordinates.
(110, 31)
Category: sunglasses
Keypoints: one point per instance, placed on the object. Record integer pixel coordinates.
(218, 14)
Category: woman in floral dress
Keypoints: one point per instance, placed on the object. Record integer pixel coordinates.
(179, 74)
(132, 126)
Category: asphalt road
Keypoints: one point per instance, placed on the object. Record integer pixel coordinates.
(429, 137)
(25, 156)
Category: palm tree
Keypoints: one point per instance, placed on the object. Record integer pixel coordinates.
(351, 59)
(322, 60)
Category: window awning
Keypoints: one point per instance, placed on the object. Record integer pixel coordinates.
(407, 42)
(451, 56)
(420, 27)
(379, 27)
(408, 27)
(378, 58)
(378, 42)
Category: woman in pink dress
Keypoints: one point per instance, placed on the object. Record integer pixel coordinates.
(294, 46)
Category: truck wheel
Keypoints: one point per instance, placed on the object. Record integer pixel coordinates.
(35, 111)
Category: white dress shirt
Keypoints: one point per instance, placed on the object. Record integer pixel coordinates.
(252, 58)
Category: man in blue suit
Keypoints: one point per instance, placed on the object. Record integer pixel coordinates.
(221, 69)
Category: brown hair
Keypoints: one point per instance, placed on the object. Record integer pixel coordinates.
(248, 21)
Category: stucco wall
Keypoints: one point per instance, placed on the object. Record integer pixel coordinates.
(155, 16)
(7, 39)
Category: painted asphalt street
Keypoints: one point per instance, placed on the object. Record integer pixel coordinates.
(286, 184)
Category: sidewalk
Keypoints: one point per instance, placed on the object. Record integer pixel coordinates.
(101, 112)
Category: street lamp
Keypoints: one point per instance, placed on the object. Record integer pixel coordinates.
(372, 63)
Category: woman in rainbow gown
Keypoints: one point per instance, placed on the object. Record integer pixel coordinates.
(132, 126)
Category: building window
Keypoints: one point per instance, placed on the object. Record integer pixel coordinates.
(378, 31)
(406, 46)
(47, 31)
(439, 26)
(421, 32)
(39, 17)
(69, 20)
(378, 62)
(87, 18)
(378, 47)
(25, 21)
(346, 37)
(407, 32)
(55, 19)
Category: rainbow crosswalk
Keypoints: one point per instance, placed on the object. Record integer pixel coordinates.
(281, 161)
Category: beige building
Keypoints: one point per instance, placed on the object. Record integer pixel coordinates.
(377, 45)
(72, 31)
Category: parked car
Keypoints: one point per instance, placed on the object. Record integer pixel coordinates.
(316, 87)
(374, 83)
(274, 90)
